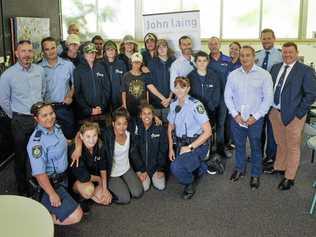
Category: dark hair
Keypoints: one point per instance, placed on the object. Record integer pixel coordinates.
(267, 30)
(120, 112)
(183, 38)
(201, 54)
(25, 41)
(290, 44)
(236, 43)
(36, 108)
(50, 39)
(249, 47)
(146, 106)
(96, 37)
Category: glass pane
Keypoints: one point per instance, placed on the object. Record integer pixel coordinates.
(99, 17)
(311, 23)
(241, 19)
(161, 6)
(283, 22)
(209, 15)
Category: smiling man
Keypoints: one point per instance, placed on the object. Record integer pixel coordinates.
(248, 96)
(294, 92)
(21, 86)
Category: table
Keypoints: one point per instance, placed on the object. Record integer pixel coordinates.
(21, 216)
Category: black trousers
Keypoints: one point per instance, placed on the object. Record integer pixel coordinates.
(22, 128)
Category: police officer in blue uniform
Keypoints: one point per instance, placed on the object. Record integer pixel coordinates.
(189, 130)
(266, 58)
(47, 151)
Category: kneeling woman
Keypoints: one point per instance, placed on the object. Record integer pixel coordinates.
(152, 144)
(123, 159)
(90, 174)
(47, 151)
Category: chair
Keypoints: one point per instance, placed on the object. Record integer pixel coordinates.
(310, 138)
(314, 201)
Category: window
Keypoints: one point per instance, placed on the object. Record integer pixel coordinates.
(241, 19)
(311, 22)
(283, 22)
(99, 17)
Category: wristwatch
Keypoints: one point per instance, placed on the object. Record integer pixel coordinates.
(191, 147)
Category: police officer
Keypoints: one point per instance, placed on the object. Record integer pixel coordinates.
(266, 58)
(47, 151)
(21, 86)
(189, 123)
(59, 85)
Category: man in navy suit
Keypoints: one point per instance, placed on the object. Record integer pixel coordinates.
(294, 92)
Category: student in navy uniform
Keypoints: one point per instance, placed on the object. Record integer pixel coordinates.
(234, 52)
(92, 88)
(47, 151)
(266, 58)
(160, 71)
(151, 140)
(219, 63)
(90, 174)
(99, 42)
(21, 86)
(127, 48)
(123, 159)
(189, 122)
(149, 52)
(116, 68)
(205, 85)
(59, 85)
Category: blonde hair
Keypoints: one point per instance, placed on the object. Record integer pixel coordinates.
(89, 126)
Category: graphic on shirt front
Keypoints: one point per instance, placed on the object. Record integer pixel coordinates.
(136, 88)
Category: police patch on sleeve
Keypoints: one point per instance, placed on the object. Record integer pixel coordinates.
(37, 151)
(200, 108)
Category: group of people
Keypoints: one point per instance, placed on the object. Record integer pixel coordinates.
(98, 122)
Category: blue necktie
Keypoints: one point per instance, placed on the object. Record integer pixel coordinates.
(265, 61)
(192, 64)
(278, 88)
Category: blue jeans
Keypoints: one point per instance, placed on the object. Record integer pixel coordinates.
(240, 135)
(186, 165)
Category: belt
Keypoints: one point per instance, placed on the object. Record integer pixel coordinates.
(22, 115)
(186, 140)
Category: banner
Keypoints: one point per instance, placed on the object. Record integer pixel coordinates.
(172, 25)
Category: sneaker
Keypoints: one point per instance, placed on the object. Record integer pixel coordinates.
(211, 170)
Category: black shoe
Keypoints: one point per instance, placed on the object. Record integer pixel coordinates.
(188, 192)
(236, 175)
(286, 184)
(230, 147)
(270, 170)
(268, 161)
(254, 183)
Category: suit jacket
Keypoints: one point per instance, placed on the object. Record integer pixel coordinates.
(299, 91)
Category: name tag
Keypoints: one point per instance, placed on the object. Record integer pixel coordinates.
(224, 64)
(99, 74)
(211, 86)
(155, 135)
(118, 71)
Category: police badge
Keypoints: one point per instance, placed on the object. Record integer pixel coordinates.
(37, 151)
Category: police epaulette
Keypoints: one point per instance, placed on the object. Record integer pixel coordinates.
(37, 136)
(193, 99)
(258, 50)
(280, 50)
